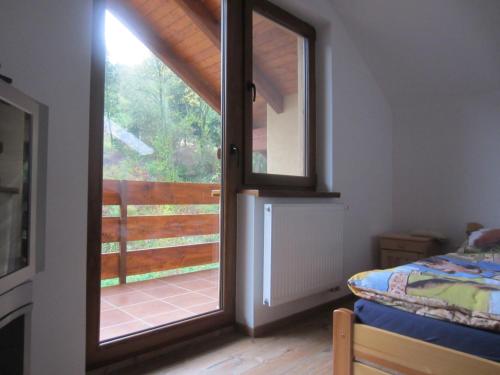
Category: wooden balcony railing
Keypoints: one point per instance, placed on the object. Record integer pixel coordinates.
(132, 228)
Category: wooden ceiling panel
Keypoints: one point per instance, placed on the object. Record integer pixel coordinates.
(213, 71)
(148, 6)
(194, 43)
(189, 43)
(156, 16)
(214, 59)
(280, 55)
(205, 53)
(138, 3)
(135, 21)
(270, 47)
(175, 28)
(275, 50)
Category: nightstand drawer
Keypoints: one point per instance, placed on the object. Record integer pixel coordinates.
(394, 258)
(406, 245)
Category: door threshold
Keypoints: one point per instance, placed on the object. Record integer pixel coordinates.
(157, 353)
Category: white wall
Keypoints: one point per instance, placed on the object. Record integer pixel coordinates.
(285, 138)
(354, 134)
(358, 133)
(45, 48)
(446, 161)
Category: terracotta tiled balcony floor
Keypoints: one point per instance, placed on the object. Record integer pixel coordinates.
(136, 306)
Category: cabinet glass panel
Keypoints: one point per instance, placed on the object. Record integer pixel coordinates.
(15, 130)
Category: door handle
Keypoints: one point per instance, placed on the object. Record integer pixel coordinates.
(234, 150)
(253, 88)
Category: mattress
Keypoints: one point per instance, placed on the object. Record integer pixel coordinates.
(482, 343)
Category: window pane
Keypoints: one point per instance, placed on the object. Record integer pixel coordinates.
(278, 113)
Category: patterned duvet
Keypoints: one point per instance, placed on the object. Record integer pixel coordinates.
(461, 288)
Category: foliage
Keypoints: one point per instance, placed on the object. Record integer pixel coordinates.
(149, 101)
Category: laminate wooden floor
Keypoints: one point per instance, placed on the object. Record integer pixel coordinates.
(301, 348)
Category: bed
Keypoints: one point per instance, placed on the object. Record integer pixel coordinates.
(436, 316)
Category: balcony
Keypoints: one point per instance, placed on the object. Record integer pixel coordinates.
(160, 254)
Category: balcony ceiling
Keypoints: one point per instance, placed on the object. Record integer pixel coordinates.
(185, 35)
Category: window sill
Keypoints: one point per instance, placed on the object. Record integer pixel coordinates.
(271, 193)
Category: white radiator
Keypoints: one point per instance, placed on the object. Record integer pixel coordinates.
(302, 250)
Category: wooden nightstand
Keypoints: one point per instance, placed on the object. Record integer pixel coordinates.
(398, 249)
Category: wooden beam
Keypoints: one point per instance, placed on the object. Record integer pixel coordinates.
(203, 19)
(139, 26)
(267, 89)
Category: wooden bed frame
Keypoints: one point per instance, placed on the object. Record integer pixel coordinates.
(360, 349)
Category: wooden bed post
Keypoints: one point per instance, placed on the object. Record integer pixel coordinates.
(343, 323)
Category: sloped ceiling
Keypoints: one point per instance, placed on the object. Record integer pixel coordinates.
(427, 46)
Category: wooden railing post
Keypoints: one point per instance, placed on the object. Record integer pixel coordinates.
(122, 272)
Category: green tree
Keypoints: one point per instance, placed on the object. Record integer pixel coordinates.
(151, 102)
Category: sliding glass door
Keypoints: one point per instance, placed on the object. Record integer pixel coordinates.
(162, 191)
(161, 179)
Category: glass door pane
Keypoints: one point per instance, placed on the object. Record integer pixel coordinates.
(279, 99)
(161, 172)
